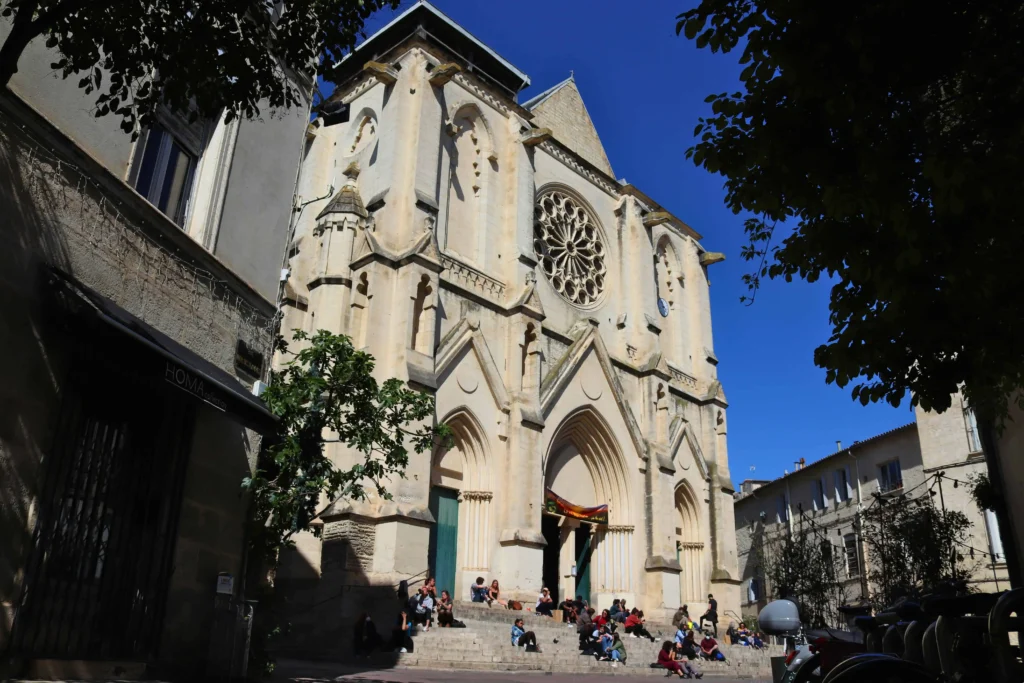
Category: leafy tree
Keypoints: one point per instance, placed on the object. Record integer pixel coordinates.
(196, 56)
(802, 565)
(327, 390)
(881, 146)
(914, 548)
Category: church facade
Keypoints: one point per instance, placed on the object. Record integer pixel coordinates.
(482, 249)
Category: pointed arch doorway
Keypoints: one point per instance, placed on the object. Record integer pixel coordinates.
(690, 548)
(460, 501)
(586, 555)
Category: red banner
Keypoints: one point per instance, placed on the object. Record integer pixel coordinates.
(557, 505)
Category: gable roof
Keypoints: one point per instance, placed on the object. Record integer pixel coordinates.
(561, 109)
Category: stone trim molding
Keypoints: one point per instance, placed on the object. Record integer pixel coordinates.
(570, 160)
(457, 272)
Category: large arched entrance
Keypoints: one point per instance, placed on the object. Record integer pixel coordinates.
(585, 467)
(690, 546)
(460, 500)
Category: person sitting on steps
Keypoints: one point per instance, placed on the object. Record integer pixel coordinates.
(365, 638)
(585, 627)
(711, 615)
(401, 636)
(635, 625)
(478, 591)
(494, 594)
(680, 669)
(569, 612)
(424, 609)
(523, 638)
(618, 651)
(709, 649)
(444, 610)
(623, 613)
(682, 616)
(544, 603)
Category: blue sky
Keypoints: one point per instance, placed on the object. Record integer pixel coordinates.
(645, 88)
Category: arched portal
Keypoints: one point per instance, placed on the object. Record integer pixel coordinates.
(585, 466)
(460, 500)
(690, 546)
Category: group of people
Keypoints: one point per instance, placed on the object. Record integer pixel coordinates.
(741, 635)
(423, 608)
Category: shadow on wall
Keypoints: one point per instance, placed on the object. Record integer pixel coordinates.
(321, 605)
(31, 365)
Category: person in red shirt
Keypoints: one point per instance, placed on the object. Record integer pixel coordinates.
(709, 648)
(667, 661)
(602, 619)
(635, 625)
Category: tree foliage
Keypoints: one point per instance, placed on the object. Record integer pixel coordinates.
(203, 57)
(327, 391)
(803, 566)
(884, 141)
(914, 548)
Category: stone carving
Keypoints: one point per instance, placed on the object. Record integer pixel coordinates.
(444, 73)
(481, 93)
(570, 160)
(384, 73)
(471, 278)
(570, 248)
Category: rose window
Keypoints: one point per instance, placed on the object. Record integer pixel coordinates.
(570, 248)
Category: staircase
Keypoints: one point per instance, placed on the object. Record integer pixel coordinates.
(485, 645)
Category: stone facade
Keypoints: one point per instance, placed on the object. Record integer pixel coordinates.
(497, 264)
(833, 491)
(98, 287)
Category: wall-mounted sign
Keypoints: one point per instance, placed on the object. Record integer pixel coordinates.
(663, 307)
(557, 505)
(248, 361)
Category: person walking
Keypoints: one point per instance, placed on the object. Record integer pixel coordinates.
(711, 615)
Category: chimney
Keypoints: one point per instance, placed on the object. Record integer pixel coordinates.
(839, 446)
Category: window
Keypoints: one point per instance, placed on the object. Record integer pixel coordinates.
(819, 494)
(842, 479)
(995, 541)
(165, 173)
(890, 476)
(782, 513)
(826, 553)
(973, 435)
(852, 559)
(753, 591)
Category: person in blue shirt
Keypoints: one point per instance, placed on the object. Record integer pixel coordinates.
(478, 592)
(523, 638)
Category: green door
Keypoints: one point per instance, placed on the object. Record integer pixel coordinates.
(444, 538)
(583, 562)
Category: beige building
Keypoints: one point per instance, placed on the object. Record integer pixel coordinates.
(831, 492)
(483, 249)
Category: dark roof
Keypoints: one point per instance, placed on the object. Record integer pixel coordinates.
(347, 200)
(434, 25)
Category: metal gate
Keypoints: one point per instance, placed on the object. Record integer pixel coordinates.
(96, 583)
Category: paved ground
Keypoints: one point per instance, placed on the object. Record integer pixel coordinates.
(341, 673)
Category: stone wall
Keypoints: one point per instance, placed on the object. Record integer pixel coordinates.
(64, 209)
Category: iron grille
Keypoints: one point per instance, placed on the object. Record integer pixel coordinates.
(96, 583)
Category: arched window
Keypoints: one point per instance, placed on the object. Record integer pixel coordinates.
(472, 176)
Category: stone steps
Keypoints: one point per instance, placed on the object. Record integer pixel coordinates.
(484, 645)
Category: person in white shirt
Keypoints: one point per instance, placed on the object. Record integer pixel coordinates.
(544, 603)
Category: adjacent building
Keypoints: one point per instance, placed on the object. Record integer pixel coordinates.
(482, 249)
(832, 492)
(138, 291)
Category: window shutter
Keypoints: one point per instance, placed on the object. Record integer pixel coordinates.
(849, 488)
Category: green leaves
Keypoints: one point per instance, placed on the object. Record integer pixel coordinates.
(197, 58)
(327, 393)
(891, 159)
(914, 547)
